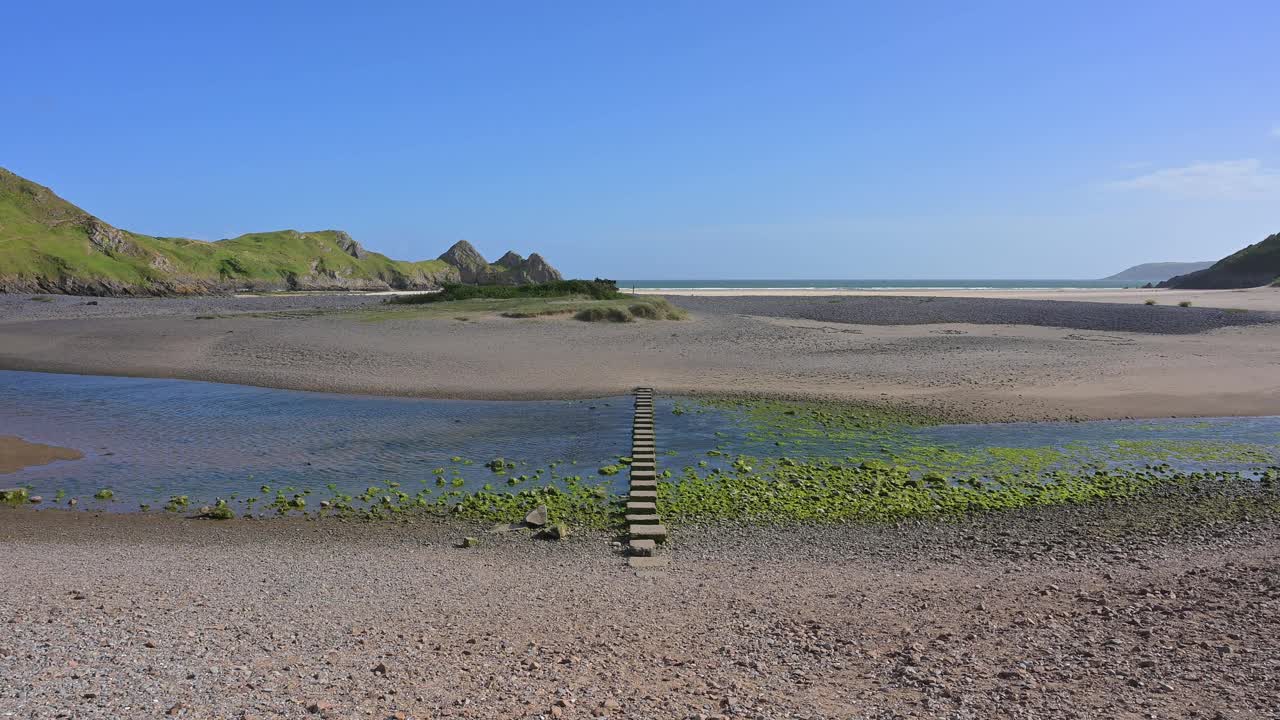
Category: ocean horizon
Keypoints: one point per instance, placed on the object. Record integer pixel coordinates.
(872, 284)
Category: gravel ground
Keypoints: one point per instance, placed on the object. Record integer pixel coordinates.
(1142, 610)
(1113, 317)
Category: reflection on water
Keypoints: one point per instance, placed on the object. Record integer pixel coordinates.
(149, 439)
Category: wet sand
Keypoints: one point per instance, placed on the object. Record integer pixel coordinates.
(16, 454)
(980, 358)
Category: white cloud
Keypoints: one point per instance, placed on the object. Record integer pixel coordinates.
(1275, 131)
(1229, 178)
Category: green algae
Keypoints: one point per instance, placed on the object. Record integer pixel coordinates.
(824, 491)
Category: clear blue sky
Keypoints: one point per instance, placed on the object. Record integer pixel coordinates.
(705, 139)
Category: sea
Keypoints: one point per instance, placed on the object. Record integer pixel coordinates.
(869, 284)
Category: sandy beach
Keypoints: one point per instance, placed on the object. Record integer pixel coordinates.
(1267, 299)
(997, 359)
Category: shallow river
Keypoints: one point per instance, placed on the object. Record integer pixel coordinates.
(148, 439)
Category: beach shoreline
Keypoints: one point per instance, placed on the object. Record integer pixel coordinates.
(1264, 298)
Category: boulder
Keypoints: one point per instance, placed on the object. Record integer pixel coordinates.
(537, 517)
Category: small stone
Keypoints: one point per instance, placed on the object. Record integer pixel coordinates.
(537, 517)
(319, 707)
(380, 669)
(468, 542)
(559, 531)
(36, 499)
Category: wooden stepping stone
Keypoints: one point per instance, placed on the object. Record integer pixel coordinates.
(657, 533)
(643, 496)
(644, 485)
(642, 507)
(642, 519)
(641, 562)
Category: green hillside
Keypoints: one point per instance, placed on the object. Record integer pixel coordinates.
(1254, 266)
(49, 245)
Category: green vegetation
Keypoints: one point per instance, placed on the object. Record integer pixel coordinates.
(1149, 301)
(604, 314)
(597, 289)
(49, 245)
(1185, 303)
(823, 492)
(104, 494)
(528, 301)
(15, 496)
(1254, 266)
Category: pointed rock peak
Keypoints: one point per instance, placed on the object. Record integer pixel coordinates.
(510, 259)
(470, 263)
(463, 252)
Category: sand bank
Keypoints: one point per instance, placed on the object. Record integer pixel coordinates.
(985, 358)
(1267, 299)
(16, 454)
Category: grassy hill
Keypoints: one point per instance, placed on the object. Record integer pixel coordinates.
(1254, 266)
(49, 245)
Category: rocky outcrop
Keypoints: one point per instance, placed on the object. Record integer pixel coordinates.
(538, 270)
(471, 265)
(511, 259)
(349, 245)
(1254, 266)
(510, 269)
(108, 239)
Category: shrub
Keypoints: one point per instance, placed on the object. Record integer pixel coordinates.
(1185, 303)
(644, 310)
(599, 314)
(1149, 301)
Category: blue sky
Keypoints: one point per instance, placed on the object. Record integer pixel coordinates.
(668, 140)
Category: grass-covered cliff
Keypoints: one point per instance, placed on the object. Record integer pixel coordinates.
(1254, 266)
(49, 245)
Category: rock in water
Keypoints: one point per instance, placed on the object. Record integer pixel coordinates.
(537, 517)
